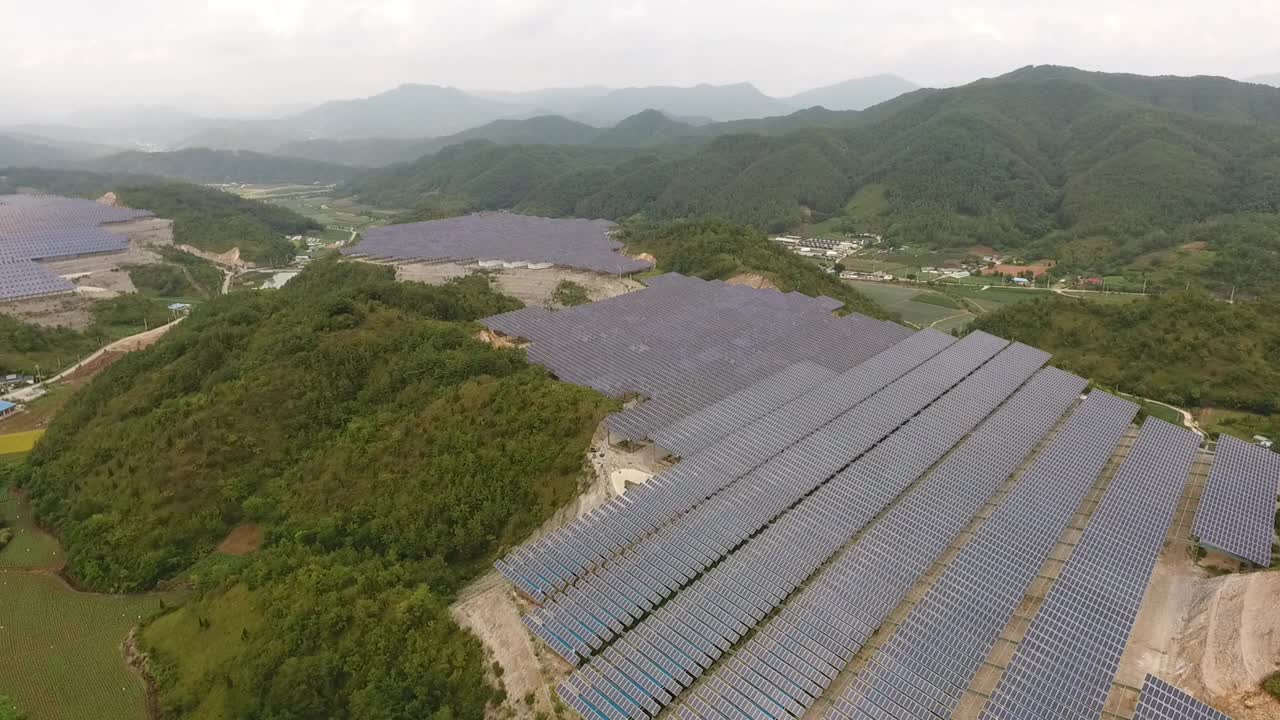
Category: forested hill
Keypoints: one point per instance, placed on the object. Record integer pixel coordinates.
(1094, 170)
(1186, 349)
(388, 455)
(223, 166)
(205, 218)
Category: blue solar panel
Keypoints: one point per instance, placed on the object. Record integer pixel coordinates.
(47, 227)
(1237, 511)
(1161, 701)
(503, 236)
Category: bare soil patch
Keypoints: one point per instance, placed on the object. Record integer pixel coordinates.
(1216, 637)
(242, 540)
(532, 287)
(758, 282)
(70, 311)
(491, 608)
(492, 338)
(90, 370)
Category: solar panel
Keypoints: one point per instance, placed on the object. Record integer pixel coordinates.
(667, 560)
(850, 598)
(928, 663)
(47, 227)
(789, 550)
(503, 236)
(1065, 663)
(541, 567)
(1237, 510)
(1161, 701)
(705, 426)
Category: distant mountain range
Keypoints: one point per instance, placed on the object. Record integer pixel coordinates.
(424, 112)
(1273, 80)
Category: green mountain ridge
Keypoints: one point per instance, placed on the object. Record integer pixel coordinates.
(1095, 170)
(222, 166)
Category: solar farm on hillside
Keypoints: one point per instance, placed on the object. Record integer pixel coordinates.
(859, 521)
(38, 228)
(502, 239)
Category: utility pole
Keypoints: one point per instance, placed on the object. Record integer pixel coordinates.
(1144, 284)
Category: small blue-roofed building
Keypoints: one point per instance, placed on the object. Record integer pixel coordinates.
(7, 408)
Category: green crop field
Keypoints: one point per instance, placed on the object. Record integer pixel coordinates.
(30, 546)
(906, 301)
(60, 651)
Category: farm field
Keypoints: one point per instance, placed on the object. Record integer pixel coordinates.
(1238, 423)
(335, 213)
(905, 300)
(60, 650)
(30, 546)
(19, 442)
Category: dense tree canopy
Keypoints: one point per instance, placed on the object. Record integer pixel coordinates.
(1186, 349)
(387, 452)
(719, 250)
(216, 221)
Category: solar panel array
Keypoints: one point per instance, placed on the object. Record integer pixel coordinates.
(839, 346)
(544, 566)
(702, 427)
(655, 342)
(634, 582)
(1237, 511)
(503, 236)
(847, 601)
(1161, 701)
(926, 666)
(1065, 663)
(46, 227)
(23, 279)
(718, 609)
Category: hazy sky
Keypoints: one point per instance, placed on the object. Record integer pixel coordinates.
(237, 54)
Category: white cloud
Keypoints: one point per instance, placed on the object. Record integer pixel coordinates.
(255, 52)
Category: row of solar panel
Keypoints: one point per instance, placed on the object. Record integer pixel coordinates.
(670, 558)
(22, 215)
(846, 343)
(1161, 701)
(849, 600)
(926, 666)
(640, 342)
(25, 279)
(781, 557)
(687, 435)
(618, 362)
(1237, 510)
(545, 566)
(1064, 665)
